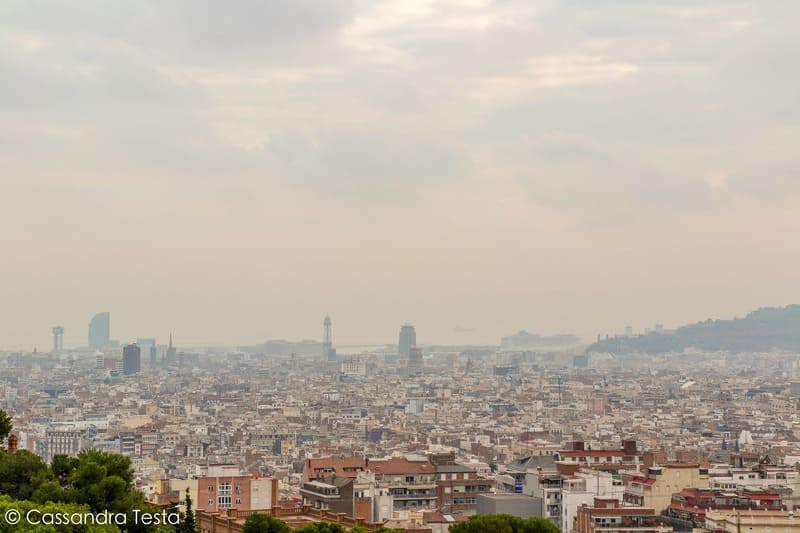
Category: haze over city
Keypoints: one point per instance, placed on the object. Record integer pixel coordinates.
(235, 172)
(400, 266)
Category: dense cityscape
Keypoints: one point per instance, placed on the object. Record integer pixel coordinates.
(417, 438)
(399, 266)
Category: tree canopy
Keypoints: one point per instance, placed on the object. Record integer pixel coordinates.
(22, 473)
(263, 523)
(503, 523)
(5, 425)
(96, 481)
(23, 526)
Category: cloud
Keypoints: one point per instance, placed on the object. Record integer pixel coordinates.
(248, 126)
(717, 180)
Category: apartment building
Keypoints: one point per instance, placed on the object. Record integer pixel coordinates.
(656, 487)
(607, 515)
(692, 505)
(457, 487)
(241, 492)
(324, 467)
(582, 487)
(607, 459)
(412, 483)
(755, 521)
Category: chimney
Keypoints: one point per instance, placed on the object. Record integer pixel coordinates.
(629, 446)
(13, 443)
(567, 469)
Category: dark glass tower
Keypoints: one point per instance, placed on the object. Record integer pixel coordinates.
(131, 359)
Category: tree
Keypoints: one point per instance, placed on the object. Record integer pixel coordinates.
(5, 425)
(21, 474)
(23, 507)
(95, 481)
(503, 523)
(262, 523)
(103, 481)
(49, 491)
(188, 524)
(322, 527)
(62, 467)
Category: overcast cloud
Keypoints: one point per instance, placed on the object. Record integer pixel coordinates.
(235, 170)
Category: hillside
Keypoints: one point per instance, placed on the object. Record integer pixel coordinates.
(762, 330)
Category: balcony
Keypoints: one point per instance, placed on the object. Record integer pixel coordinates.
(635, 529)
(627, 523)
(635, 489)
(413, 494)
(419, 485)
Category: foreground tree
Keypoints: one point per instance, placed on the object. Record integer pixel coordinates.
(95, 481)
(62, 467)
(262, 523)
(5, 425)
(322, 527)
(503, 523)
(103, 481)
(21, 474)
(188, 523)
(22, 507)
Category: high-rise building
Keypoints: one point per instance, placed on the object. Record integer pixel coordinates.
(58, 339)
(100, 330)
(328, 353)
(148, 345)
(131, 359)
(171, 357)
(408, 339)
(415, 361)
(355, 366)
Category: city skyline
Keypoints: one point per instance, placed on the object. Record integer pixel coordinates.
(103, 319)
(406, 339)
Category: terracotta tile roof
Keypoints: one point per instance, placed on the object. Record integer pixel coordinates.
(341, 466)
(400, 465)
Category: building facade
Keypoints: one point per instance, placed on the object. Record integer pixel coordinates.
(100, 331)
(131, 359)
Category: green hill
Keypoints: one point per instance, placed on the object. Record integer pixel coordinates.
(762, 330)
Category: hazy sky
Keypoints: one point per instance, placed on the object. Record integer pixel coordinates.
(235, 170)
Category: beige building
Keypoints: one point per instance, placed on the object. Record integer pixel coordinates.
(656, 487)
(755, 521)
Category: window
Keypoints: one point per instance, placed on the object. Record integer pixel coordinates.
(238, 501)
(210, 501)
(211, 488)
